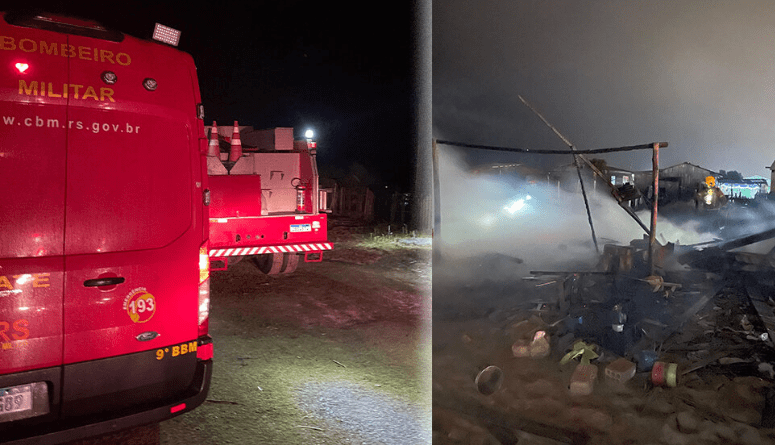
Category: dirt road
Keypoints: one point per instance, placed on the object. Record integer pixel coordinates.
(336, 353)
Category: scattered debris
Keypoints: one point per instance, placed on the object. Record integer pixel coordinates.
(582, 383)
(664, 374)
(685, 334)
(343, 366)
(489, 380)
(620, 370)
(691, 344)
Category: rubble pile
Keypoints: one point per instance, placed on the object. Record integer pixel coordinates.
(678, 351)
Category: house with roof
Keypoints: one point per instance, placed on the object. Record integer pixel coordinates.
(676, 183)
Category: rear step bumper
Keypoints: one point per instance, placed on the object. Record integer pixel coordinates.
(84, 429)
(289, 248)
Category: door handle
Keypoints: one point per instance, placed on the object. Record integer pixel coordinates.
(109, 281)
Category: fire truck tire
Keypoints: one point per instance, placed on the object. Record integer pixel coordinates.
(290, 263)
(270, 263)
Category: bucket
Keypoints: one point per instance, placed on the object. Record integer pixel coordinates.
(664, 374)
(489, 380)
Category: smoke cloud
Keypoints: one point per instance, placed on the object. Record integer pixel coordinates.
(500, 226)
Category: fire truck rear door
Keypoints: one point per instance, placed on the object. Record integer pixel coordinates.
(132, 254)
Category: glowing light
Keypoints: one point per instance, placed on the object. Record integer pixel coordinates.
(22, 67)
(487, 220)
(514, 207)
(308, 134)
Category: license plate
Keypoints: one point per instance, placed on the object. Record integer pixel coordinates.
(301, 228)
(23, 401)
(15, 399)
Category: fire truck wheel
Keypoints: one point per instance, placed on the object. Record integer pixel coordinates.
(269, 263)
(291, 262)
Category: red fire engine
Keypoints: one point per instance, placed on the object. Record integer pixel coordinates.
(266, 201)
(104, 280)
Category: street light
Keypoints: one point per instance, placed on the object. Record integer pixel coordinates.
(312, 145)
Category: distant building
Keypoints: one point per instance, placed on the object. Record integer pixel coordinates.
(746, 188)
(676, 183)
(565, 178)
(519, 172)
(772, 172)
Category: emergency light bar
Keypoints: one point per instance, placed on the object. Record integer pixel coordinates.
(165, 34)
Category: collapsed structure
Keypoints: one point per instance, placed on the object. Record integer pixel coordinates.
(689, 326)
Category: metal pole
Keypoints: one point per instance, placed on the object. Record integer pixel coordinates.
(575, 161)
(653, 231)
(586, 202)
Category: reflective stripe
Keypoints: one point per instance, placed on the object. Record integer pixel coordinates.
(293, 248)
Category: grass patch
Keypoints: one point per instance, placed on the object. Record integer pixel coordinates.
(254, 393)
(392, 241)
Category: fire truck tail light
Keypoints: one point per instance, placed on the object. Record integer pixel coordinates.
(177, 408)
(165, 34)
(204, 264)
(204, 290)
(204, 308)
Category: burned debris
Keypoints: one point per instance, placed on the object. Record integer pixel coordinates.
(619, 354)
(656, 342)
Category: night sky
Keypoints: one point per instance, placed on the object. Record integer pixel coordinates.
(346, 72)
(697, 74)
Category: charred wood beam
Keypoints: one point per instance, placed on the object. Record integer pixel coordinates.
(755, 238)
(566, 272)
(652, 230)
(554, 152)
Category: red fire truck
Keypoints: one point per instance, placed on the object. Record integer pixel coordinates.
(104, 280)
(266, 201)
